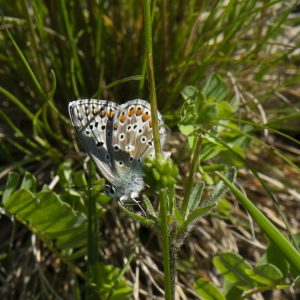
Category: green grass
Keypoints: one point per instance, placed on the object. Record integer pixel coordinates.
(225, 71)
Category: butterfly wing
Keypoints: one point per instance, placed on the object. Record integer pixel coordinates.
(132, 141)
(93, 120)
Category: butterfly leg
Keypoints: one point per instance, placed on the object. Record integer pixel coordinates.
(140, 207)
(124, 198)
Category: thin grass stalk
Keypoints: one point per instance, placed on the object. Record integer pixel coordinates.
(277, 152)
(19, 133)
(99, 44)
(28, 68)
(75, 63)
(35, 45)
(150, 74)
(164, 21)
(194, 166)
(36, 83)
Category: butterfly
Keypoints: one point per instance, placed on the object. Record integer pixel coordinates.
(118, 138)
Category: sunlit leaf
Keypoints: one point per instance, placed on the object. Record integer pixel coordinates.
(232, 266)
(207, 291)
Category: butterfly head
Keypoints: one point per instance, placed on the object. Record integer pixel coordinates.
(124, 191)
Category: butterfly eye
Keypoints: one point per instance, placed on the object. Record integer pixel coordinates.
(112, 190)
(109, 189)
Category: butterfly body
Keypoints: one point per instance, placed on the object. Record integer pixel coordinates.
(118, 138)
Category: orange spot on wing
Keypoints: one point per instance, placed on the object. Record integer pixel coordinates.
(145, 117)
(122, 118)
(138, 111)
(110, 114)
(102, 113)
(130, 112)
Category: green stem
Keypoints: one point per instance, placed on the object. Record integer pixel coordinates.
(150, 74)
(194, 166)
(92, 222)
(92, 232)
(286, 248)
(169, 292)
(165, 244)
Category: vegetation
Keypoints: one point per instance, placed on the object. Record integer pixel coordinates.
(222, 218)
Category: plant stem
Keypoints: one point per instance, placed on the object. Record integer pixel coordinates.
(173, 257)
(150, 74)
(169, 292)
(194, 165)
(165, 244)
(92, 232)
(92, 222)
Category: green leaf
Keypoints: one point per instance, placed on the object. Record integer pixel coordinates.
(190, 93)
(207, 291)
(265, 274)
(271, 257)
(207, 114)
(232, 266)
(195, 196)
(231, 291)
(178, 217)
(194, 216)
(186, 129)
(79, 179)
(11, 185)
(109, 284)
(29, 182)
(149, 207)
(224, 110)
(216, 88)
(192, 106)
(64, 172)
(225, 207)
(233, 157)
(221, 187)
(50, 218)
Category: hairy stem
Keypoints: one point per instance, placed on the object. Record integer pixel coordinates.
(194, 165)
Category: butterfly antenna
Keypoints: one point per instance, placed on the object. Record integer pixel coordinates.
(86, 187)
